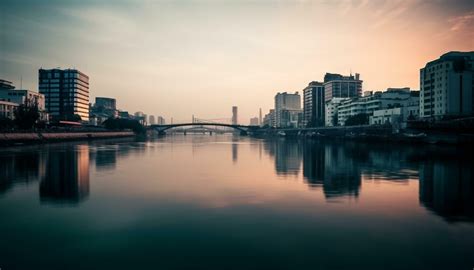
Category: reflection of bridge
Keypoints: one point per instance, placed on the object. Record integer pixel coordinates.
(242, 128)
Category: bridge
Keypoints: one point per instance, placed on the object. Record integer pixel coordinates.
(242, 128)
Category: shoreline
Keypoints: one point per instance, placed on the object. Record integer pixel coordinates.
(11, 139)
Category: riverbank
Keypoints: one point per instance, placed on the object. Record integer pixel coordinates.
(373, 134)
(46, 137)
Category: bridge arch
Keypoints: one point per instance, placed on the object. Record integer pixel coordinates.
(163, 128)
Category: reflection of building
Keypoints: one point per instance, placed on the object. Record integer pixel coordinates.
(446, 86)
(22, 167)
(332, 167)
(447, 189)
(287, 154)
(66, 93)
(67, 176)
(235, 152)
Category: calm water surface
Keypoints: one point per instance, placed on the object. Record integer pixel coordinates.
(223, 202)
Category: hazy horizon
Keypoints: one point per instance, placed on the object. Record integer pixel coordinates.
(178, 58)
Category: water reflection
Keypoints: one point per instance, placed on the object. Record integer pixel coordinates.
(447, 187)
(67, 176)
(337, 169)
(20, 168)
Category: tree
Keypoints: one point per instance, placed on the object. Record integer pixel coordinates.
(6, 123)
(357, 120)
(26, 116)
(120, 124)
(73, 118)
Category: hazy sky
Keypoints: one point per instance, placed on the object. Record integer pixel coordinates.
(176, 58)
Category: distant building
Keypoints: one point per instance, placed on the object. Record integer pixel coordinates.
(66, 93)
(106, 103)
(123, 114)
(103, 109)
(331, 111)
(234, 115)
(313, 105)
(260, 120)
(254, 121)
(336, 85)
(151, 120)
(447, 85)
(161, 120)
(269, 119)
(140, 117)
(287, 109)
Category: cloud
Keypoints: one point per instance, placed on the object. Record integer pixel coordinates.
(462, 22)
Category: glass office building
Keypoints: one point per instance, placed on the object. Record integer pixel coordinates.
(66, 93)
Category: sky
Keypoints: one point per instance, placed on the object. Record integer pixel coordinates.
(179, 58)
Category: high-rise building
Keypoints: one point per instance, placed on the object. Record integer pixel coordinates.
(336, 85)
(260, 123)
(313, 105)
(234, 115)
(447, 85)
(66, 93)
(287, 109)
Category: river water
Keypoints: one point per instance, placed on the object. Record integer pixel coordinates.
(225, 202)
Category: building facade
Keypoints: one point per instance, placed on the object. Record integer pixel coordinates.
(106, 103)
(447, 86)
(66, 93)
(269, 119)
(370, 102)
(7, 109)
(336, 85)
(286, 106)
(313, 105)
(331, 111)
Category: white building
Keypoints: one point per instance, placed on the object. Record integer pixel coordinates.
(7, 109)
(286, 106)
(331, 109)
(370, 102)
(446, 86)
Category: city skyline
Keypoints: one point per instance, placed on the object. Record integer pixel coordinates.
(183, 58)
